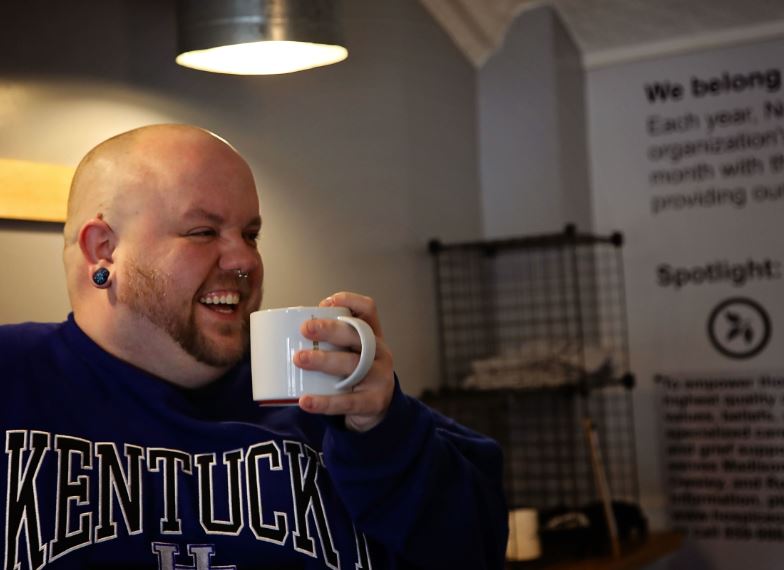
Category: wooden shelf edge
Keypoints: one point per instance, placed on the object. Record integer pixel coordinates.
(634, 556)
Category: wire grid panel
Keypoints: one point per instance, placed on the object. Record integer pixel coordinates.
(531, 313)
(547, 463)
(530, 328)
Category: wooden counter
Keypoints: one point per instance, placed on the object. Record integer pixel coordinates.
(634, 556)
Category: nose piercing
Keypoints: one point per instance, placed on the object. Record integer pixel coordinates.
(241, 274)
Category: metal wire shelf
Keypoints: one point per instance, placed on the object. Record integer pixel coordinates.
(533, 338)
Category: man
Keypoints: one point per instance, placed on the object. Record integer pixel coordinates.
(131, 438)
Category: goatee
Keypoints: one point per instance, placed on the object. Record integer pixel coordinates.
(145, 290)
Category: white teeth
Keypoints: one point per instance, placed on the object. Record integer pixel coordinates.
(230, 299)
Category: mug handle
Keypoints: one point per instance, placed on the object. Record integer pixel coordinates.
(367, 355)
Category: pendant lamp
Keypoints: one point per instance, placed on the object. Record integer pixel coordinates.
(258, 37)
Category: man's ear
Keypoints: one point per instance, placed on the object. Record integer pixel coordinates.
(97, 242)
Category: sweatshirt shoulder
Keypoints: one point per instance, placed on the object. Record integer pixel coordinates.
(19, 339)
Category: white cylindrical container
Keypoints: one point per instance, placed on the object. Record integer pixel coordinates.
(523, 535)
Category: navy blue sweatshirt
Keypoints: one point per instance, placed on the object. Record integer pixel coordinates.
(107, 466)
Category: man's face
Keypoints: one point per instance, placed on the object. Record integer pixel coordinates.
(181, 250)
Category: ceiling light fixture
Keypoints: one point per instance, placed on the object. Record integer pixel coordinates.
(258, 37)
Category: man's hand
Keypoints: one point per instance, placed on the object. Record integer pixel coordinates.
(367, 404)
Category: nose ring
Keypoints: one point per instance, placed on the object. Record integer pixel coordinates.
(241, 274)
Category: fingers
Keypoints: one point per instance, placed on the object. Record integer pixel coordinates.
(337, 363)
(355, 404)
(363, 409)
(366, 405)
(332, 331)
(359, 305)
(341, 362)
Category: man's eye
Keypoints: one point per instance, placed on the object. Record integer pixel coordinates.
(252, 236)
(203, 232)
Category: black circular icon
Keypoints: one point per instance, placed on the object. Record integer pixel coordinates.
(739, 328)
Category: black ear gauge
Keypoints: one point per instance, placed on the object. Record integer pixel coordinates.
(101, 277)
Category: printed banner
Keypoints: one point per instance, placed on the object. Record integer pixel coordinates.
(687, 160)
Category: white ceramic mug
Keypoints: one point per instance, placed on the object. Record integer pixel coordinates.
(274, 339)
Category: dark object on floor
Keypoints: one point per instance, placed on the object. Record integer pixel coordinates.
(576, 533)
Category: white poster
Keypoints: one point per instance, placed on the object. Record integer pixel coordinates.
(687, 160)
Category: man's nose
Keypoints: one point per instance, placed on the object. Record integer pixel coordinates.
(239, 253)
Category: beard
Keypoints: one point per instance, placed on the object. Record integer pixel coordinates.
(148, 293)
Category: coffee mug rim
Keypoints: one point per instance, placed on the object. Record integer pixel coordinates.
(300, 308)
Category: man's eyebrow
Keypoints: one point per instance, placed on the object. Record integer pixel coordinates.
(202, 214)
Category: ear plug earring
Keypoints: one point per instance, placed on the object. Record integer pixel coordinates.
(101, 277)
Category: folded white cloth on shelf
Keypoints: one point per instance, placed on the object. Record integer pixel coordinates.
(539, 364)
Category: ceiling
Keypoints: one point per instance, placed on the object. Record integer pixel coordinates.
(609, 31)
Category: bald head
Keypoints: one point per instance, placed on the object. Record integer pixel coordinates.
(120, 168)
(124, 175)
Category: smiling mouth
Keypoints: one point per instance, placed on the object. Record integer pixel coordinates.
(221, 303)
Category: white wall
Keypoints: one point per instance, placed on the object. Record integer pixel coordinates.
(354, 162)
(532, 151)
